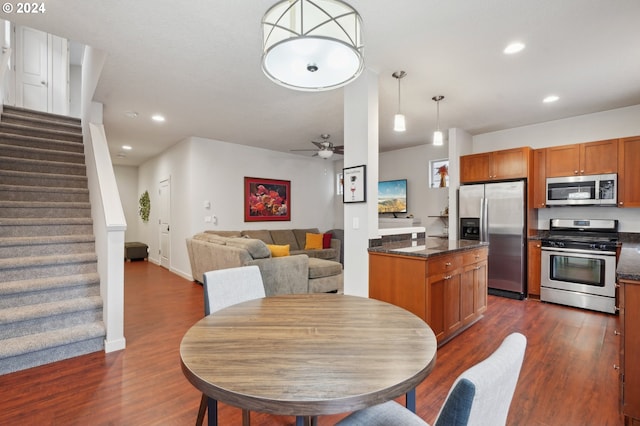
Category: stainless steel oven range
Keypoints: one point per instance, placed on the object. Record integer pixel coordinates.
(579, 264)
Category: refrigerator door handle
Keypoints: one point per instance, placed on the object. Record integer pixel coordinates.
(485, 220)
(482, 212)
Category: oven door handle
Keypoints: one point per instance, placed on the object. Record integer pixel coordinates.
(580, 251)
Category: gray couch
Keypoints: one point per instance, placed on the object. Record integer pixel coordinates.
(297, 273)
(296, 238)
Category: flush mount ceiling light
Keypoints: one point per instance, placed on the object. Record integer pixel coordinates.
(513, 48)
(312, 45)
(551, 98)
(158, 118)
(127, 147)
(399, 124)
(437, 135)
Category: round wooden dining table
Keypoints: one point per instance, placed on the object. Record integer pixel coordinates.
(308, 354)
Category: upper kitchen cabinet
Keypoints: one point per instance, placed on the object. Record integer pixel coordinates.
(496, 165)
(590, 158)
(628, 173)
(539, 179)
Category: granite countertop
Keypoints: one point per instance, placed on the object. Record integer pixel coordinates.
(629, 262)
(426, 247)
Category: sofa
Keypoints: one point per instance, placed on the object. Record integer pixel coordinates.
(295, 238)
(302, 271)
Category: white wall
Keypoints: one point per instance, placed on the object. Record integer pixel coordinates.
(413, 164)
(207, 170)
(612, 124)
(127, 181)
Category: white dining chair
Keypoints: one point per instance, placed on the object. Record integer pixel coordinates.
(481, 396)
(226, 287)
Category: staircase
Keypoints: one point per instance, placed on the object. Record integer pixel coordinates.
(50, 304)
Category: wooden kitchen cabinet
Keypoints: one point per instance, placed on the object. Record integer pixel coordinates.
(533, 270)
(539, 179)
(448, 291)
(628, 172)
(589, 158)
(496, 165)
(629, 300)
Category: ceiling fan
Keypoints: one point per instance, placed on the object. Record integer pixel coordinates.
(325, 148)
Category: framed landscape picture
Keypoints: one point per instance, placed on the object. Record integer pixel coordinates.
(266, 199)
(354, 179)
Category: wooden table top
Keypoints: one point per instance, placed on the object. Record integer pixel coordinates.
(308, 354)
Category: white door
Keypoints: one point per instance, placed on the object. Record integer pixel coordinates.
(31, 69)
(165, 223)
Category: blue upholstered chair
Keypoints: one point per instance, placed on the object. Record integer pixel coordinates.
(226, 287)
(479, 396)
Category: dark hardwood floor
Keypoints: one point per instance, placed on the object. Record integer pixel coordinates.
(567, 377)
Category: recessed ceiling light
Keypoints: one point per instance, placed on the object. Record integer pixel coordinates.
(550, 98)
(159, 118)
(513, 48)
(127, 147)
(131, 114)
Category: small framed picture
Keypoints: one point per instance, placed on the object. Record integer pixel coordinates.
(355, 188)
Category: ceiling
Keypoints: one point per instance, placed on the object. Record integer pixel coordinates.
(198, 64)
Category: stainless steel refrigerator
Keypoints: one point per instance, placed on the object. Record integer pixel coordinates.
(496, 213)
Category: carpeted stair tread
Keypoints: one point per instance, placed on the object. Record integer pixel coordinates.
(44, 166)
(31, 188)
(44, 204)
(48, 283)
(31, 261)
(43, 180)
(41, 341)
(42, 240)
(72, 125)
(29, 221)
(39, 132)
(43, 310)
(14, 111)
(41, 154)
(27, 140)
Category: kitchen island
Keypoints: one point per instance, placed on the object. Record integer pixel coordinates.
(441, 281)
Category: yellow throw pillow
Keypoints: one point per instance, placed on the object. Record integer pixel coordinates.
(314, 242)
(278, 251)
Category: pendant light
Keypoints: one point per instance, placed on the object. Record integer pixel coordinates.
(312, 45)
(399, 124)
(437, 135)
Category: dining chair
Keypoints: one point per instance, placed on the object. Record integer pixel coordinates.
(479, 396)
(226, 287)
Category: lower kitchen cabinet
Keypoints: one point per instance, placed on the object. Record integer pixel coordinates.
(448, 291)
(629, 299)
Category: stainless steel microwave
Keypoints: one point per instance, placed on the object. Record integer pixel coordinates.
(583, 190)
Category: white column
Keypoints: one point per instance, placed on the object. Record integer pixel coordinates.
(361, 148)
(459, 144)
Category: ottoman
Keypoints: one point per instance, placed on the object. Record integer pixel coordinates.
(325, 276)
(135, 251)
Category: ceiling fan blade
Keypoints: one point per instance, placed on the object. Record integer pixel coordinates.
(339, 149)
(310, 150)
(318, 144)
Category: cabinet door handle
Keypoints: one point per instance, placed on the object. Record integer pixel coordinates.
(477, 267)
(616, 332)
(616, 367)
(448, 277)
(447, 264)
(538, 246)
(575, 172)
(581, 172)
(621, 203)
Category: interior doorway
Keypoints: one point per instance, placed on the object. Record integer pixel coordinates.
(165, 222)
